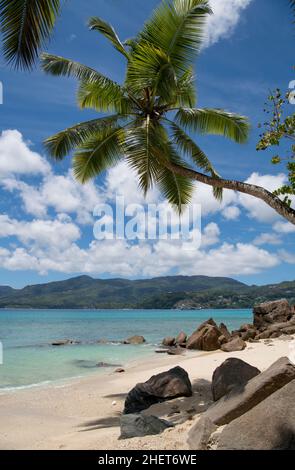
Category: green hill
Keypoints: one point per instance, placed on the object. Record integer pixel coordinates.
(163, 292)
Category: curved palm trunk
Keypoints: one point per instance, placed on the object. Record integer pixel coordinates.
(257, 191)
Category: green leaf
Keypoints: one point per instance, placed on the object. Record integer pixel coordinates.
(103, 96)
(98, 153)
(26, 26)
(187, 146)
(150, 67)
(177, 189)
(141, 143)
(186, 90)
(177, 27)
(214, 121)
(108, 31)
(56, 65)
(61, 144)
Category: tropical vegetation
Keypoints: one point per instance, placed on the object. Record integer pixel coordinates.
(152, 114)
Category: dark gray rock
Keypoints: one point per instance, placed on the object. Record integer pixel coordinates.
(168, 341)
(236, 344)
(134, 340)
(246, 327)
(64, 342)
(199, 435)
(205, 338)
(268, 313)
(249, 334)
(231, 373)
(224, 331)
(268, 426)
(165, 386)
(181, 338)
(137, 425)
(177, 351)
(243, 398)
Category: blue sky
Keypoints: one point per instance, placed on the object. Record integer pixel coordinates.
(45, 217)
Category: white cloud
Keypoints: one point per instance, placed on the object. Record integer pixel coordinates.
(287, 257)
(227, 14)
(267, 239)
(231, 213)
(58, 233)
(284, 227)
(51, 241)
(17, 158)
(256, 208)
(62, 193)
(210, 235)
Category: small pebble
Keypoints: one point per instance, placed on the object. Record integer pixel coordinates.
(114, 403)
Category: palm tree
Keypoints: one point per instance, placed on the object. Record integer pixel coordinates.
(26, 25)
(152, 115)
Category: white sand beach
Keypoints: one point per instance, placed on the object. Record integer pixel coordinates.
(85, 413)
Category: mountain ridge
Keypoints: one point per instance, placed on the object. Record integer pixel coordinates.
(184, 292)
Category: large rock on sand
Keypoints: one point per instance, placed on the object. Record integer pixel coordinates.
(268, 426)
(168, 341)
(236, 344)
(268, 313)
(199, 434)
(181, 338)
(165, 386)
(244, 397)
(137, 425)
(205, 338)
(231, 373)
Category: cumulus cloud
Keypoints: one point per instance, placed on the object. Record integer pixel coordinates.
(58, 233)
(53, 241)
(144, 259)
(267, 239)
(231, 213)
(256, 208)
(227, 14)
(284, 227)
(59, 192)
(16, 157)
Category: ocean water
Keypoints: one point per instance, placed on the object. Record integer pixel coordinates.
(26, 336)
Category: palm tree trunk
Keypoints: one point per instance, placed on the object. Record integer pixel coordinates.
(257, 191)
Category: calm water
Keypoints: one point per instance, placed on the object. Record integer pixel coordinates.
(26, 336)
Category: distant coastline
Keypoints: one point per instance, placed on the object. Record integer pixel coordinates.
(168, 293)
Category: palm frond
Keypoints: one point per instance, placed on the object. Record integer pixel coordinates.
(61, 144)
(100, 96)
(186, 90)
(150, 67)
(108, 31)
(60, 66)
(177, 27)
(214, 121)
(141, 143)
(177, 189)
(98, 153)
(188, 147)
(26, 26)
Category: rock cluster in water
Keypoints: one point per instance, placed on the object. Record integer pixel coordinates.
(270, 320)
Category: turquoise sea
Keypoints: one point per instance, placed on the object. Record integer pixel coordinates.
(29, 359)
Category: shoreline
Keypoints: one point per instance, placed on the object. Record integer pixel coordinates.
(84, 413)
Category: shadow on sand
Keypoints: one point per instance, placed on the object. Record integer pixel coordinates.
(176, 411)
